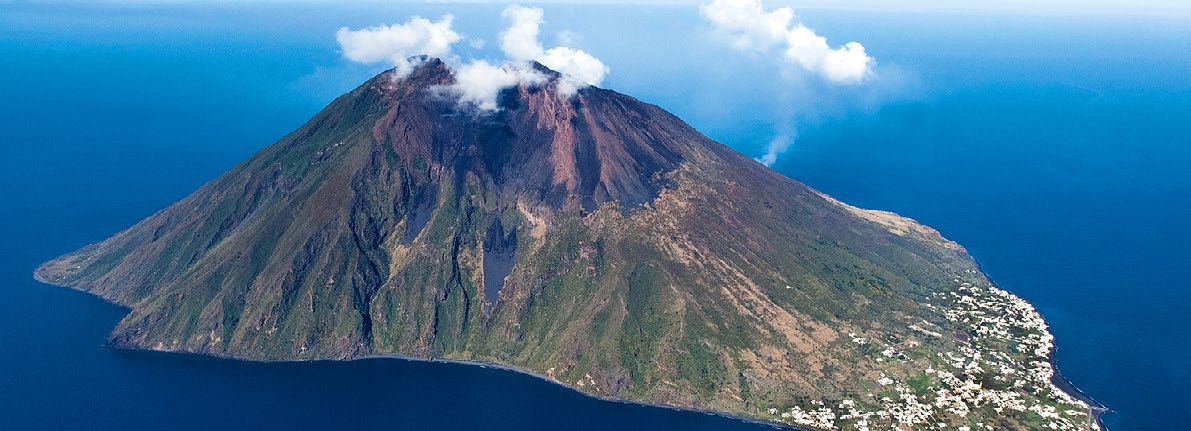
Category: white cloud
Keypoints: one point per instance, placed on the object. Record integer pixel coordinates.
(799, 53)
(520, 43)
(520, 40)
(579, 69)
(396, 43)
(480, 83)
(752, 27)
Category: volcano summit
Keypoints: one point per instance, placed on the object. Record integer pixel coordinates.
(589, 238)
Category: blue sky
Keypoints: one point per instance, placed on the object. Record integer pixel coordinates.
(913, 52)
(1163, 8)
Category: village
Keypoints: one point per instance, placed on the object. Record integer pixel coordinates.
(1000, 366)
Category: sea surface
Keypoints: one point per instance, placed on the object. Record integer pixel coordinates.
(1057, 149)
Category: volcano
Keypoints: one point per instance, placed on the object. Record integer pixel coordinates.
(588, 238)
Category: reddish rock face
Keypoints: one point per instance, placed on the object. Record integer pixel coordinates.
(574, 152)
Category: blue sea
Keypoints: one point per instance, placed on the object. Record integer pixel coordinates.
(1055, 147)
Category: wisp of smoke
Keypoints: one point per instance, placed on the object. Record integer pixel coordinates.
(777, 146)
(809, 68)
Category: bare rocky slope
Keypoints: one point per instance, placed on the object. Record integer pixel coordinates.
(593, 239)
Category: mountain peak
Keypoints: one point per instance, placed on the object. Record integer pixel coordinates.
(429, 73)
(543, 69)
(432, 72)
(576, 152)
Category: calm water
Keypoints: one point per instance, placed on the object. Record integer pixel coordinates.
(1055, 149)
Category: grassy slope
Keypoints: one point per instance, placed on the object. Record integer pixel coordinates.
(734, 290)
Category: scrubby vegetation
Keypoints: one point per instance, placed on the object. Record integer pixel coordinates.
(648, 263)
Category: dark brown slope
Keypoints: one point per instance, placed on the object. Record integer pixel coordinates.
(596, 239)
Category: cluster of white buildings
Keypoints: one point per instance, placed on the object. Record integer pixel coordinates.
(997, 365)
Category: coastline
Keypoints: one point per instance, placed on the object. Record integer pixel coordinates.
(488, 365)
(485, 365)
(1057, 379)
(1067, 386)
(37, 276)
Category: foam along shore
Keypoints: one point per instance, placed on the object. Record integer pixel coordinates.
(1065, 385)
(1002, 358)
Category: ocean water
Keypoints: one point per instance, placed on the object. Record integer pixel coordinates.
(1067, 178)
(1055, 148)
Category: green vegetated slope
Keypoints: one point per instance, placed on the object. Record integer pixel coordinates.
(596, 240)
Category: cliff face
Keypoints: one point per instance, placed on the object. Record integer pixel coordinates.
(596, 240)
